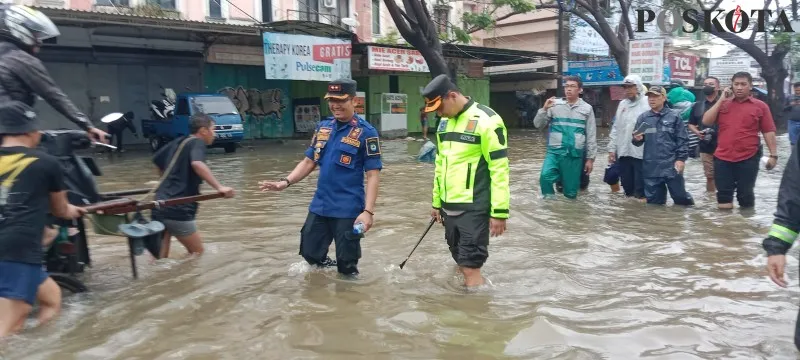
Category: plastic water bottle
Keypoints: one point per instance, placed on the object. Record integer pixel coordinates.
(358, 228)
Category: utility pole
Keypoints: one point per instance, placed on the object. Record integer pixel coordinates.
(560, 64)
(564, 6)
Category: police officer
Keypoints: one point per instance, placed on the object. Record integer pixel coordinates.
(470, 186)
(344, 147)
(785, 226)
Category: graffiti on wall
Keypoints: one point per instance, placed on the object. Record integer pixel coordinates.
(258, 107)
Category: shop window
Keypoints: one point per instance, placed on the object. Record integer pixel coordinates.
(124, 3)
(376, 17)
(182, 108)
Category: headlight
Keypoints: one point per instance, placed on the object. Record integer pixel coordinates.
(237, 127)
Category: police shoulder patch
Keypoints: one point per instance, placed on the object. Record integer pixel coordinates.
(373, 146)
(486, 110)
(442, 126)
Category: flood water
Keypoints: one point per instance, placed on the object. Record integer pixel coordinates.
(602, 277)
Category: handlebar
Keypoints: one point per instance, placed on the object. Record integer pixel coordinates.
(64, 142)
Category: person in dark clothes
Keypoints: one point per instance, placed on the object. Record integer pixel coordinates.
(665, 141)
(738, 154)
(184, 179)
(785, 227)
(117, 127)
(707, 134)
(792, 110)
(31, 187)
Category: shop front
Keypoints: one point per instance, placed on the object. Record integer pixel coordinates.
(278, 87)
(393, 78)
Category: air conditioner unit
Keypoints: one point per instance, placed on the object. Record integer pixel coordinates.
(330, 4)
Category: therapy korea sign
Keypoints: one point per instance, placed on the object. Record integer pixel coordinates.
(304, 57)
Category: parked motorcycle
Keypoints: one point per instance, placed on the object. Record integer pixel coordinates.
(163, 109)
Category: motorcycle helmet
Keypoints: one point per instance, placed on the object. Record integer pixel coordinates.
(25, 27)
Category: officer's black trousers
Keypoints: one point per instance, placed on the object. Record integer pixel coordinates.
(317, 234)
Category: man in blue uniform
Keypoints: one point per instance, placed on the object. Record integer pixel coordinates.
(344, 147)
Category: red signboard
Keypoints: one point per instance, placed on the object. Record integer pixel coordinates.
(327, 53)
(683, 67)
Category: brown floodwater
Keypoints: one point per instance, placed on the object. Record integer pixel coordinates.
(602, 277)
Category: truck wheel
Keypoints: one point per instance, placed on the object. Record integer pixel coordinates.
(155, 144)
(230, 148)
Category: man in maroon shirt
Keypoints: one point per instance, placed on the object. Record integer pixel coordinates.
(741, 117)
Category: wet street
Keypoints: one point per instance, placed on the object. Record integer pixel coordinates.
(602, 277)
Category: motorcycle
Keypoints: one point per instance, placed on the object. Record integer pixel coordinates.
(163, 109)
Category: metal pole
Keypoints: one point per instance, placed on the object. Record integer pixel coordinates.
(560, 64)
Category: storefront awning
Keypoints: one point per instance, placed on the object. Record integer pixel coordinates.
(83, 17)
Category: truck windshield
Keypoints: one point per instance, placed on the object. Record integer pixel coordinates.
(213, 105)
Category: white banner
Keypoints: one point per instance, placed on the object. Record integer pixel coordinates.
(646, 59)
(392, 59)
(724, 68)
(304, 57)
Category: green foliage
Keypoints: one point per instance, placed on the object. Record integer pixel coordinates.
(154, 10)
(488, 17)
(391, 38)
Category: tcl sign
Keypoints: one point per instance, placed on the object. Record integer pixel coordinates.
(683, 67)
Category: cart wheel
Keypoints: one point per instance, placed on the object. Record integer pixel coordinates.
(69, 283)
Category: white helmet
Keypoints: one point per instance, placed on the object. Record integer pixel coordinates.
(25, 26)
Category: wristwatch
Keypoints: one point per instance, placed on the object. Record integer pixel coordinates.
(288, 183)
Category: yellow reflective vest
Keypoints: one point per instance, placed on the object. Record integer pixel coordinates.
(472, 170)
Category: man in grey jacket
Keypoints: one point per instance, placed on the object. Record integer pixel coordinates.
(620, 148)
(572, 134)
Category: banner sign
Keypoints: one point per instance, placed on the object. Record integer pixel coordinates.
(595, 72)
(304, 57)
(724, 68)
(683, 67)
(646, 59)
(392, 59)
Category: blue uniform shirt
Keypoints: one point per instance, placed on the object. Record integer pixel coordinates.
(343, 152)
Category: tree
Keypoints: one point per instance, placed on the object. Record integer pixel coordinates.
(773, 70)
(420, 30)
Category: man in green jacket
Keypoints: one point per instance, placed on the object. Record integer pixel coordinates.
(572, 133)
(471, 182)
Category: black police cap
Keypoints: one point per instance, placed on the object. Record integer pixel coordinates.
(436, 90)
(17, 118)
(341, 89)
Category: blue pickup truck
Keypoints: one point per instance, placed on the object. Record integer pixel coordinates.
(228, 121)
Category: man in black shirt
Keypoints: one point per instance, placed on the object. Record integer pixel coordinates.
(707, 135)
(184, 179)
(31, 186)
